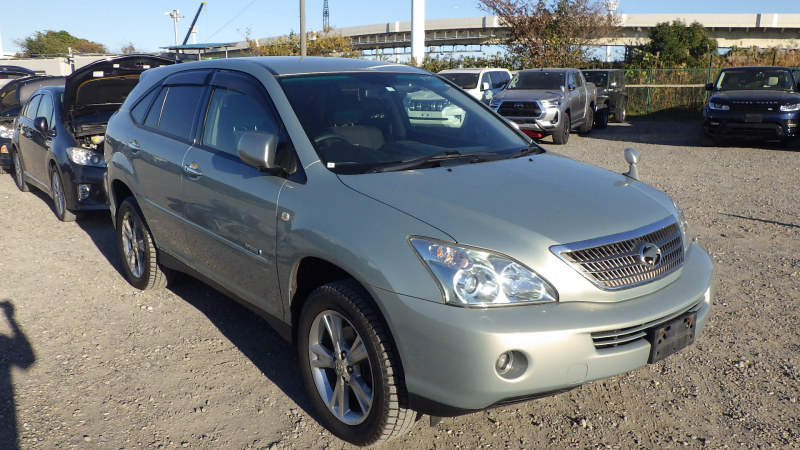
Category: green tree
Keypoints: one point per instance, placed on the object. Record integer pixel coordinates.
(552, 33)
(676, 44)
(57, 42)
(326, 43)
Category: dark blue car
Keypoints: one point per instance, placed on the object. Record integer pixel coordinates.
(759, 103)
(58, 135)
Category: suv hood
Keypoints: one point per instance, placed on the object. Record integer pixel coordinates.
(755, 97)
(519, 206)
(529, 94)
(102, 86)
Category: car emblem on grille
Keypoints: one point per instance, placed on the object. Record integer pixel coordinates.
(519, 105)
(650, 255)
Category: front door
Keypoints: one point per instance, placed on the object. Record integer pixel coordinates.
(231, 207)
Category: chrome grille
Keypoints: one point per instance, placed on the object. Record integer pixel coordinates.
(612, 263)
(622, 336)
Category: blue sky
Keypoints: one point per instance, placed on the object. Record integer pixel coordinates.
(143, 23)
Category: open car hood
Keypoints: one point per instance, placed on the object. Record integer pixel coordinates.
(102, 86)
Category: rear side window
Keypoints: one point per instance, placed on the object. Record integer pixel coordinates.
(177, 115)
(138, 111)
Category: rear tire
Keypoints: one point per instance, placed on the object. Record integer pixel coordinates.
(350, 366)
(138, 251)
(561, 136)
(621, 114)
(706, 140)
(601, 119)
(19, 172)
(60, 197)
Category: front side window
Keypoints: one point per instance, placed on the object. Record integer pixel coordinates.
(232, 113)
(366, 122)
(46, 109)
(32, 107)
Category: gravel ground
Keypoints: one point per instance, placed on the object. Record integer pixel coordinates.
(88, 362)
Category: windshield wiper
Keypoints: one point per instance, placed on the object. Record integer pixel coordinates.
(415, 162)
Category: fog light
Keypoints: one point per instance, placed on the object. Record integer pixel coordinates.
(83, 191)
(511, 364)
(4, 149)
(789, 124)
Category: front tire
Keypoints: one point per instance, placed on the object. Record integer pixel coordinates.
(60, 197)
(561, 136)
(137, 250)
(350, 366)
(706, 140)
(19, 172)
(621, 114)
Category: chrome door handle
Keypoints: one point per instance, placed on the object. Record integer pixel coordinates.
(193, 170)
(134, 146)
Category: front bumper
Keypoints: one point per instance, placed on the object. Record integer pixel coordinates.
(75, 175)
(449, 353)
(546, 123)
(760, 126)
(5, 153)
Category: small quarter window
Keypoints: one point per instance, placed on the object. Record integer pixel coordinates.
(138, 112)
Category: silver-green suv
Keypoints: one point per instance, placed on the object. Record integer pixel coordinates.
(419, 267)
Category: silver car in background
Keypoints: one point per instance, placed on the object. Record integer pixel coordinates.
(418, 268)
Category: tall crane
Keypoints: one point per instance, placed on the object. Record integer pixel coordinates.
(326, 19)
(191, 27)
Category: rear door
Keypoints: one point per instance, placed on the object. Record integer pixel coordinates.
(166, 131)
(231, 207)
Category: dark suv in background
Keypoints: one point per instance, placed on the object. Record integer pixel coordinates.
(612, 98)
(759, 103)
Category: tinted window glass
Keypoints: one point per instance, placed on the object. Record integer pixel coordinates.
(463, 80)
(155, 111)
(177, 115)
(32, 106)
(497, 79)
(46, 109)
(140, 109)
(537, 80)
(231, 114)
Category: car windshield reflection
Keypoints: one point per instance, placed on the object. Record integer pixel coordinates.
(361, 121)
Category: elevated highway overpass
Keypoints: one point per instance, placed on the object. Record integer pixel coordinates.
(741, 30)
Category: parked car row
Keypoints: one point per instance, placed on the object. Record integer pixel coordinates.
(421, 264)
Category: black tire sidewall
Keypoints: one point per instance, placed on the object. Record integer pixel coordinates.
(142, 282)
(20, 182)
(601, 119)
(328, 298)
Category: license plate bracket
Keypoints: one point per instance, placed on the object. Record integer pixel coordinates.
(753, 118)
(671, 337)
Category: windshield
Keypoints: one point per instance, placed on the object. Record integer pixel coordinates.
(755, 80)
(362, 121)
(600, 79)
(462, 80)
(537, 80)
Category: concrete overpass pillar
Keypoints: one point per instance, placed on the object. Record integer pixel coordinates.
(418, 30)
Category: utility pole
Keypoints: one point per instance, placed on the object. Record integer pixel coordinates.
(326, 16)
(302, 28)
(175, 14)
(418, 31)
(611, 6)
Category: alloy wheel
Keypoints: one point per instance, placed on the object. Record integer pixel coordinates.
(340, 367)
(58, 193)
(133, 245)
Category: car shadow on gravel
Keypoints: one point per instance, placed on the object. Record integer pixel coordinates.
(677, 134)
(253, 336)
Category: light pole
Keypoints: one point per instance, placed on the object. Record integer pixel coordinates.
(175, 14)
(302, 28)
(610, 6)
(418, 31)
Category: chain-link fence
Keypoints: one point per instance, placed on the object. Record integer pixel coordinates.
(651, 90)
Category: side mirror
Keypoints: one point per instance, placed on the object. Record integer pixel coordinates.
(613, 85)
(485, 86)
(572, 87)
(258, 149)
(40, 123)
(632, 157)
(709, 86)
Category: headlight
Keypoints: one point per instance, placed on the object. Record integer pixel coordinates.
(684, 226)
(551, 103)
(6, 132)
(792, 107)
(495, 103)
(85, 157)
(718, 106)
(475, 277)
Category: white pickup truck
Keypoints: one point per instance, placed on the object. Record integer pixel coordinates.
(544, 102)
